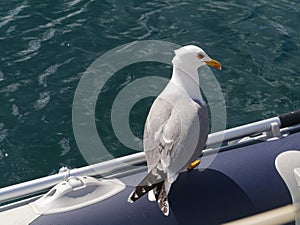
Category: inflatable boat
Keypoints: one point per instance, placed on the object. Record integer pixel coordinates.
(256, 169)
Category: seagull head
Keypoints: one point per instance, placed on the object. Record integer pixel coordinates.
(191, 56)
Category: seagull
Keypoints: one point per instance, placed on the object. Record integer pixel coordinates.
(176, 127)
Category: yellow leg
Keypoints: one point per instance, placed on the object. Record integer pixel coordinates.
(194, 164)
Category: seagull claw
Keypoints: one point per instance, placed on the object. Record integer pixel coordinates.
(194, 164)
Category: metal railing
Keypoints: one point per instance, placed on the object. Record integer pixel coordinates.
(34, 186)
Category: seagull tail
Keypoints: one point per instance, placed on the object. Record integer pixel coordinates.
(162, 199)
(154, 180)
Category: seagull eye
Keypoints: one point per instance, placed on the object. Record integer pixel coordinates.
(200, 56)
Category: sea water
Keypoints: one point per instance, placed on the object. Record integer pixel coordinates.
(46, 47)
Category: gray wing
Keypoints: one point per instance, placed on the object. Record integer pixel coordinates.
(175, 133)
(157, 141)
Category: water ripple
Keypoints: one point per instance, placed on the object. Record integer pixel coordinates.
(1, 76)
(15, 110)
(42, 101)
(10, 88)
(3, 134)
(59, 20)
(49, 71)
(65, 145)
(48, 34)
(12, 14)
(73, 3)
(33, 46)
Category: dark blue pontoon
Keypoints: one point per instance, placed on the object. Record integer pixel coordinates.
(242, 180)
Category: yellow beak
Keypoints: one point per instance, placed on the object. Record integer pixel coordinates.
(214, 63)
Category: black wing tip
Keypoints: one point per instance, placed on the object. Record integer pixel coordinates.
(161, 196)
(162, 200)
(133, 197)
(150, 182)
(138, 192)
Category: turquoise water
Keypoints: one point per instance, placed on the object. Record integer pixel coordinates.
(46, 46)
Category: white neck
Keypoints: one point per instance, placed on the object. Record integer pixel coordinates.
(188, 81)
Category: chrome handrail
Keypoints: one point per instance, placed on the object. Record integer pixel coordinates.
(30, 187)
